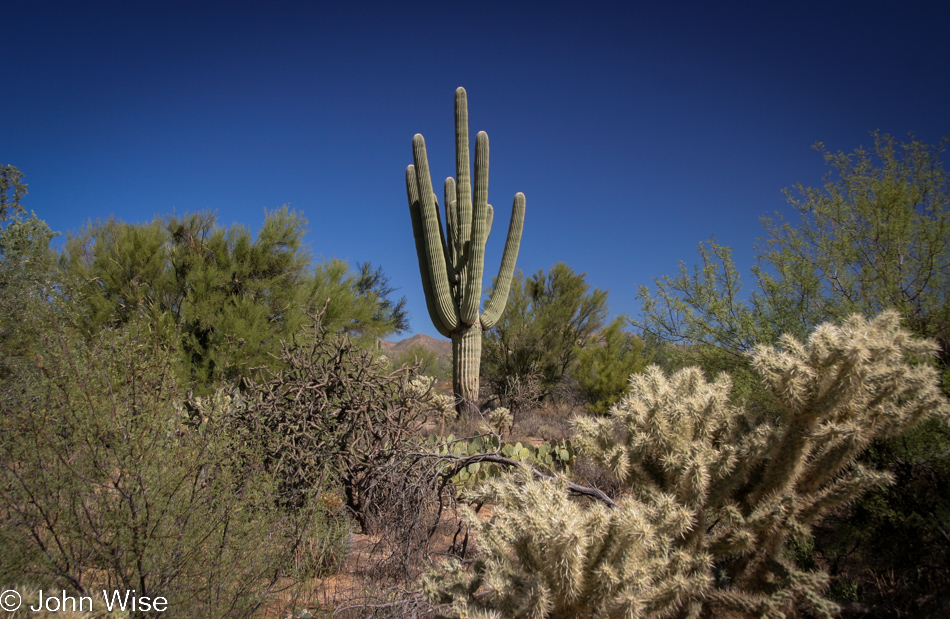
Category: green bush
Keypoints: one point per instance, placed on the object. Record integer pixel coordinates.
(230, 298)
(109, 482)
(427, 362)
(550, 317)
(603, 369)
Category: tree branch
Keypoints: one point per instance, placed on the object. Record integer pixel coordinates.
(463, 461)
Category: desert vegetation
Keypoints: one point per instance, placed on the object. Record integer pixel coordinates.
(199, 415)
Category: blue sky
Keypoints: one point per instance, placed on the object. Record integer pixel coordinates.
(635, 130)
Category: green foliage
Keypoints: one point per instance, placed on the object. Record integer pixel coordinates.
(110, 482)
(603, 368)
(230, 298)
(452, 261)
(12, 190)
(24, 243)
(383, 316)
(551, 317)
(25, 267)
(428, 362)
(356, 303)
(718, 497)
(875, 235)
(897, 533)
(26, 270)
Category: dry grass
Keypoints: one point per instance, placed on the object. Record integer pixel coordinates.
(364, 587)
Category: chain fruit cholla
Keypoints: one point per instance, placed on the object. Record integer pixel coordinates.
(716, 494)
(452, 261)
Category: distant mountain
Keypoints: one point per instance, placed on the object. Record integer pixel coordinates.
(442, 348)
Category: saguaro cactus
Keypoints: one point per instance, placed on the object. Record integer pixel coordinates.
(451, 261)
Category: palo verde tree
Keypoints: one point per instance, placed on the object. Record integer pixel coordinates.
(12, 190)
(26, 269)
(551, 317)
(451, 261)
(229, 297)
(603, 368)
(876, 235)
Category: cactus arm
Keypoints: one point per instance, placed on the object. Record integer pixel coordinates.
(462, 167)
(472, 294)
(499, 295)
(419, 234)
(446, 250)
(451, 224)
(434, 242)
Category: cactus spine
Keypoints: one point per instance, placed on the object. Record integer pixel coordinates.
(451, 261)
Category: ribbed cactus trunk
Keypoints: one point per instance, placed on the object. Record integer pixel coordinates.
(466, 363)
(452, 259)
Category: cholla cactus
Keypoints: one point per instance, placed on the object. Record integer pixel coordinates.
(545, 555)
(225, 404)
(500, 420)
(714, 494)
(421, 392)
(419, 388)
(424, 399)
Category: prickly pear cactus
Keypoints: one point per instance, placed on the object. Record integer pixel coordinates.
(554, 456)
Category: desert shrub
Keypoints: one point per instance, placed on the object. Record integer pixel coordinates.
(323, 547)
(25, 261)
(109, 482)
(720, 500)
(520, 392)
(427, 362)
(891, 550)
(324, 550)
(603, 368)
(548, 423)
(549, 317)
(336, 417)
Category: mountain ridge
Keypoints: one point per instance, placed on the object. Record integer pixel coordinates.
(442, 348)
